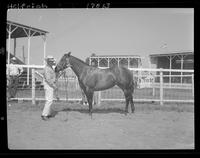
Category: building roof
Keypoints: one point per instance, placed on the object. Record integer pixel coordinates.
(172, 54)
(20, 30)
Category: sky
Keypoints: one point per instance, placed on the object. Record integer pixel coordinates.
(113, 31)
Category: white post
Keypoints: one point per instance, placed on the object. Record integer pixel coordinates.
(33, 86)
(181, 69)
(28, 58)
(193, 85)
(128, 63)
(108, 62)
(44, 48)
(153, 84)
(90, 61)
(170, 67)
(161, 87)
(10, 31)
(98, 62)
(99, 98)
(118, 61)
(8, 58)
(9, 36)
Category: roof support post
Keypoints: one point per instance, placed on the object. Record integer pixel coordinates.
(9, 36)
(8, 58)
(44, 39)
(90, 61)
(98, 62)
(10, 31)
(170, 67)
(29, 44)
(181, 69)
(118, 62)
(128, 63)
(181, 57)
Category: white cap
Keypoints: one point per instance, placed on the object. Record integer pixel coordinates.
(49, 57)
(13, 58)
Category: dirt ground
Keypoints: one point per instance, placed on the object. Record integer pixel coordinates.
(150, 127)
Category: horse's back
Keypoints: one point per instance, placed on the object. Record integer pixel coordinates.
(121, 70)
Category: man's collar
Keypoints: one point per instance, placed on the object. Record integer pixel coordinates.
(51, 66)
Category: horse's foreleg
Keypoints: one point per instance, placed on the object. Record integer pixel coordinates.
(90, 99)
(127, 97)
(126, 108)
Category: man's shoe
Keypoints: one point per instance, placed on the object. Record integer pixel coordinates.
(45, 118)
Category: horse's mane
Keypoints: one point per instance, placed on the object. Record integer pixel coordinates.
(79, 60)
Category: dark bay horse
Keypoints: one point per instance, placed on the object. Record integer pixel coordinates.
(94, 79)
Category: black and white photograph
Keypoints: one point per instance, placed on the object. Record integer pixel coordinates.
(99, 78)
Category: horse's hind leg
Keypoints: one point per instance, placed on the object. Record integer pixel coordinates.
(127, 103)
(131, 100)
(127, 97)
(132, 104)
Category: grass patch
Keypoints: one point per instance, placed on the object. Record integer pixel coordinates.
(109, 106)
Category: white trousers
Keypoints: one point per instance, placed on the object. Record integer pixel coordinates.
(48, 100)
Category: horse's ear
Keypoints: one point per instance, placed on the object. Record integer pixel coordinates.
(69, 53)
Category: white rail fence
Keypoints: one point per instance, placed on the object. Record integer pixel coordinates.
(153, 85)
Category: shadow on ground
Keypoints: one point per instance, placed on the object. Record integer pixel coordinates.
(86, 111)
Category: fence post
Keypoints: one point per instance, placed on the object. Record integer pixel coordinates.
(33, 86)
(161, 87)
(153, 84)
(193, 85)
(99, 98)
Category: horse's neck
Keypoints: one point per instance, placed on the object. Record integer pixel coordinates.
(77, 66)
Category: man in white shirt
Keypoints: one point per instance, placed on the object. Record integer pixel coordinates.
(49, 86)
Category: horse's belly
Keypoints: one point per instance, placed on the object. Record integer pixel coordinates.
(100, 82)
(101, 88)
(104, 85)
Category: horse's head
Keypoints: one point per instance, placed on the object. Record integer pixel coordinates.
(63, 63)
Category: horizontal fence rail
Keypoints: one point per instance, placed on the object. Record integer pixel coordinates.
(153, 85)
